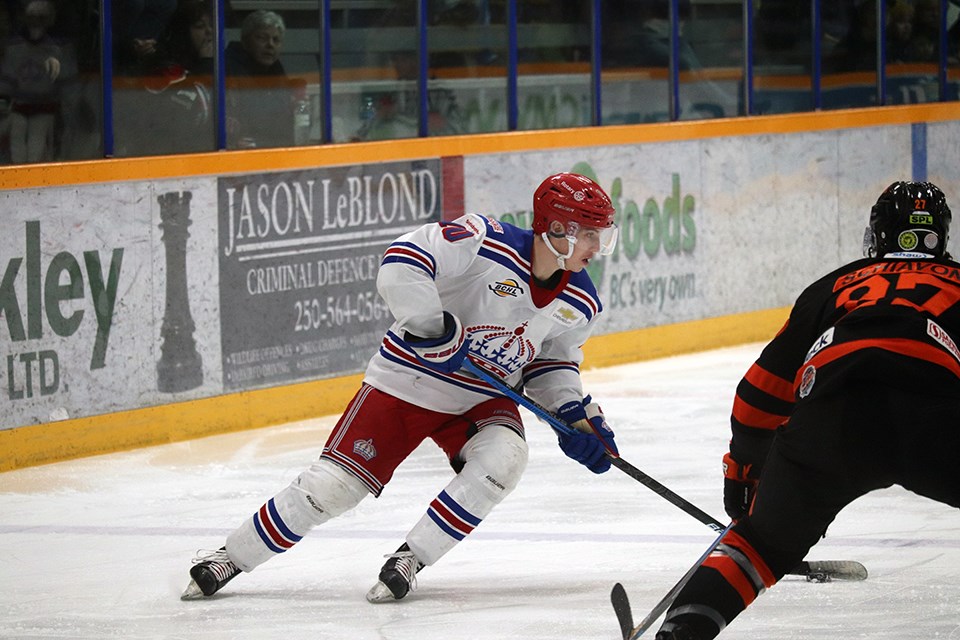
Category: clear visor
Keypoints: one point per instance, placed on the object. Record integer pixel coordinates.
(603, 240)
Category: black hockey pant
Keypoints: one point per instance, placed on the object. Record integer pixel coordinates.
(873, 419)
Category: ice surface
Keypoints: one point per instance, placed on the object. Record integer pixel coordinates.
(100, 547)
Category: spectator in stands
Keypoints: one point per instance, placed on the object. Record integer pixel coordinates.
(899, 31)
(8, 18)
(163, 103)
(138, 26)
(33, 74)
(190, 39)
(260, 97)
(926, 31)
(953, 42)
(639, 36)
(781, 33)
(258, 51)
(857, 50)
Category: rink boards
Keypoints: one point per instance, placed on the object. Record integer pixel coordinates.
(158, 299)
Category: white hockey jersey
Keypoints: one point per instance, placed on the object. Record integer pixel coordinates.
(479, 270)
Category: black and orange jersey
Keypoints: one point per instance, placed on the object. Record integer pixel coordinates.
(906, 306)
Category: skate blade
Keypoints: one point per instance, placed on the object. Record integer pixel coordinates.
(379, 594)
(192, 592)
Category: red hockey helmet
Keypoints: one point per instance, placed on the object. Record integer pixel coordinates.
(571, 197)
(577, 202)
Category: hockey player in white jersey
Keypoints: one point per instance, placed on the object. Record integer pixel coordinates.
(516, 302)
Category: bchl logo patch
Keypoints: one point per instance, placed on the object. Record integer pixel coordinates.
(365, 449)
(506, 288)
(806, 381)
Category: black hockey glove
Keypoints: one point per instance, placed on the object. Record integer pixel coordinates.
(444, 354)
(739, 486)
(592, 437)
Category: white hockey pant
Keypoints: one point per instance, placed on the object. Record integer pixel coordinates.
(320, 493)
(494, 460)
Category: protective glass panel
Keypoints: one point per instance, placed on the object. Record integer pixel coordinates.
(553, 83)
(782, 59)
(913, 51)
(163, 80)
(467, 85)
(374, 64)
(635, 50)
(710, 59)
(953, 50)
(849, 49)
(50, 81)
(272, 66)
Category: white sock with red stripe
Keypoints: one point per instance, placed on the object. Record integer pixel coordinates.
(494, 461)
(320, 493)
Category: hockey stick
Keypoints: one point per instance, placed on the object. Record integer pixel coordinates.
(562, 427)
(813, 571)
(621, 605)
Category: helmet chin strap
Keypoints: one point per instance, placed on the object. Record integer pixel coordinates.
(561, 258)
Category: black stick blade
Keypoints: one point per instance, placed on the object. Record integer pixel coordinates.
(621, 606)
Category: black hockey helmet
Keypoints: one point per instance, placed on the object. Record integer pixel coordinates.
(911, 219)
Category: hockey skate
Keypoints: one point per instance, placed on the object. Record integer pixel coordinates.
(679, 632)
(398, 577)
(210, 571)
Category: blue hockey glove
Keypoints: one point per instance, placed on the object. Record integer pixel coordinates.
(592, 439)
(444, 354)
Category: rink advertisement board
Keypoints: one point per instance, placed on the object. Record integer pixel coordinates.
(108, 298)
(132, 294)
(658, 273)
(718, 226)
(298, 260)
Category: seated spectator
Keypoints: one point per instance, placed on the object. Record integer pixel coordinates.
(899, 32)
(926, 31)
(782, 30)
(190, 38)
(953, 43)
(638, 35)
(138, 26)
(258, 51)
(163, 103)
(33, 74)
(260, 97)
(857, 50)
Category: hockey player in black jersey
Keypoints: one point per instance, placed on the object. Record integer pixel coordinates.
(859, 391)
